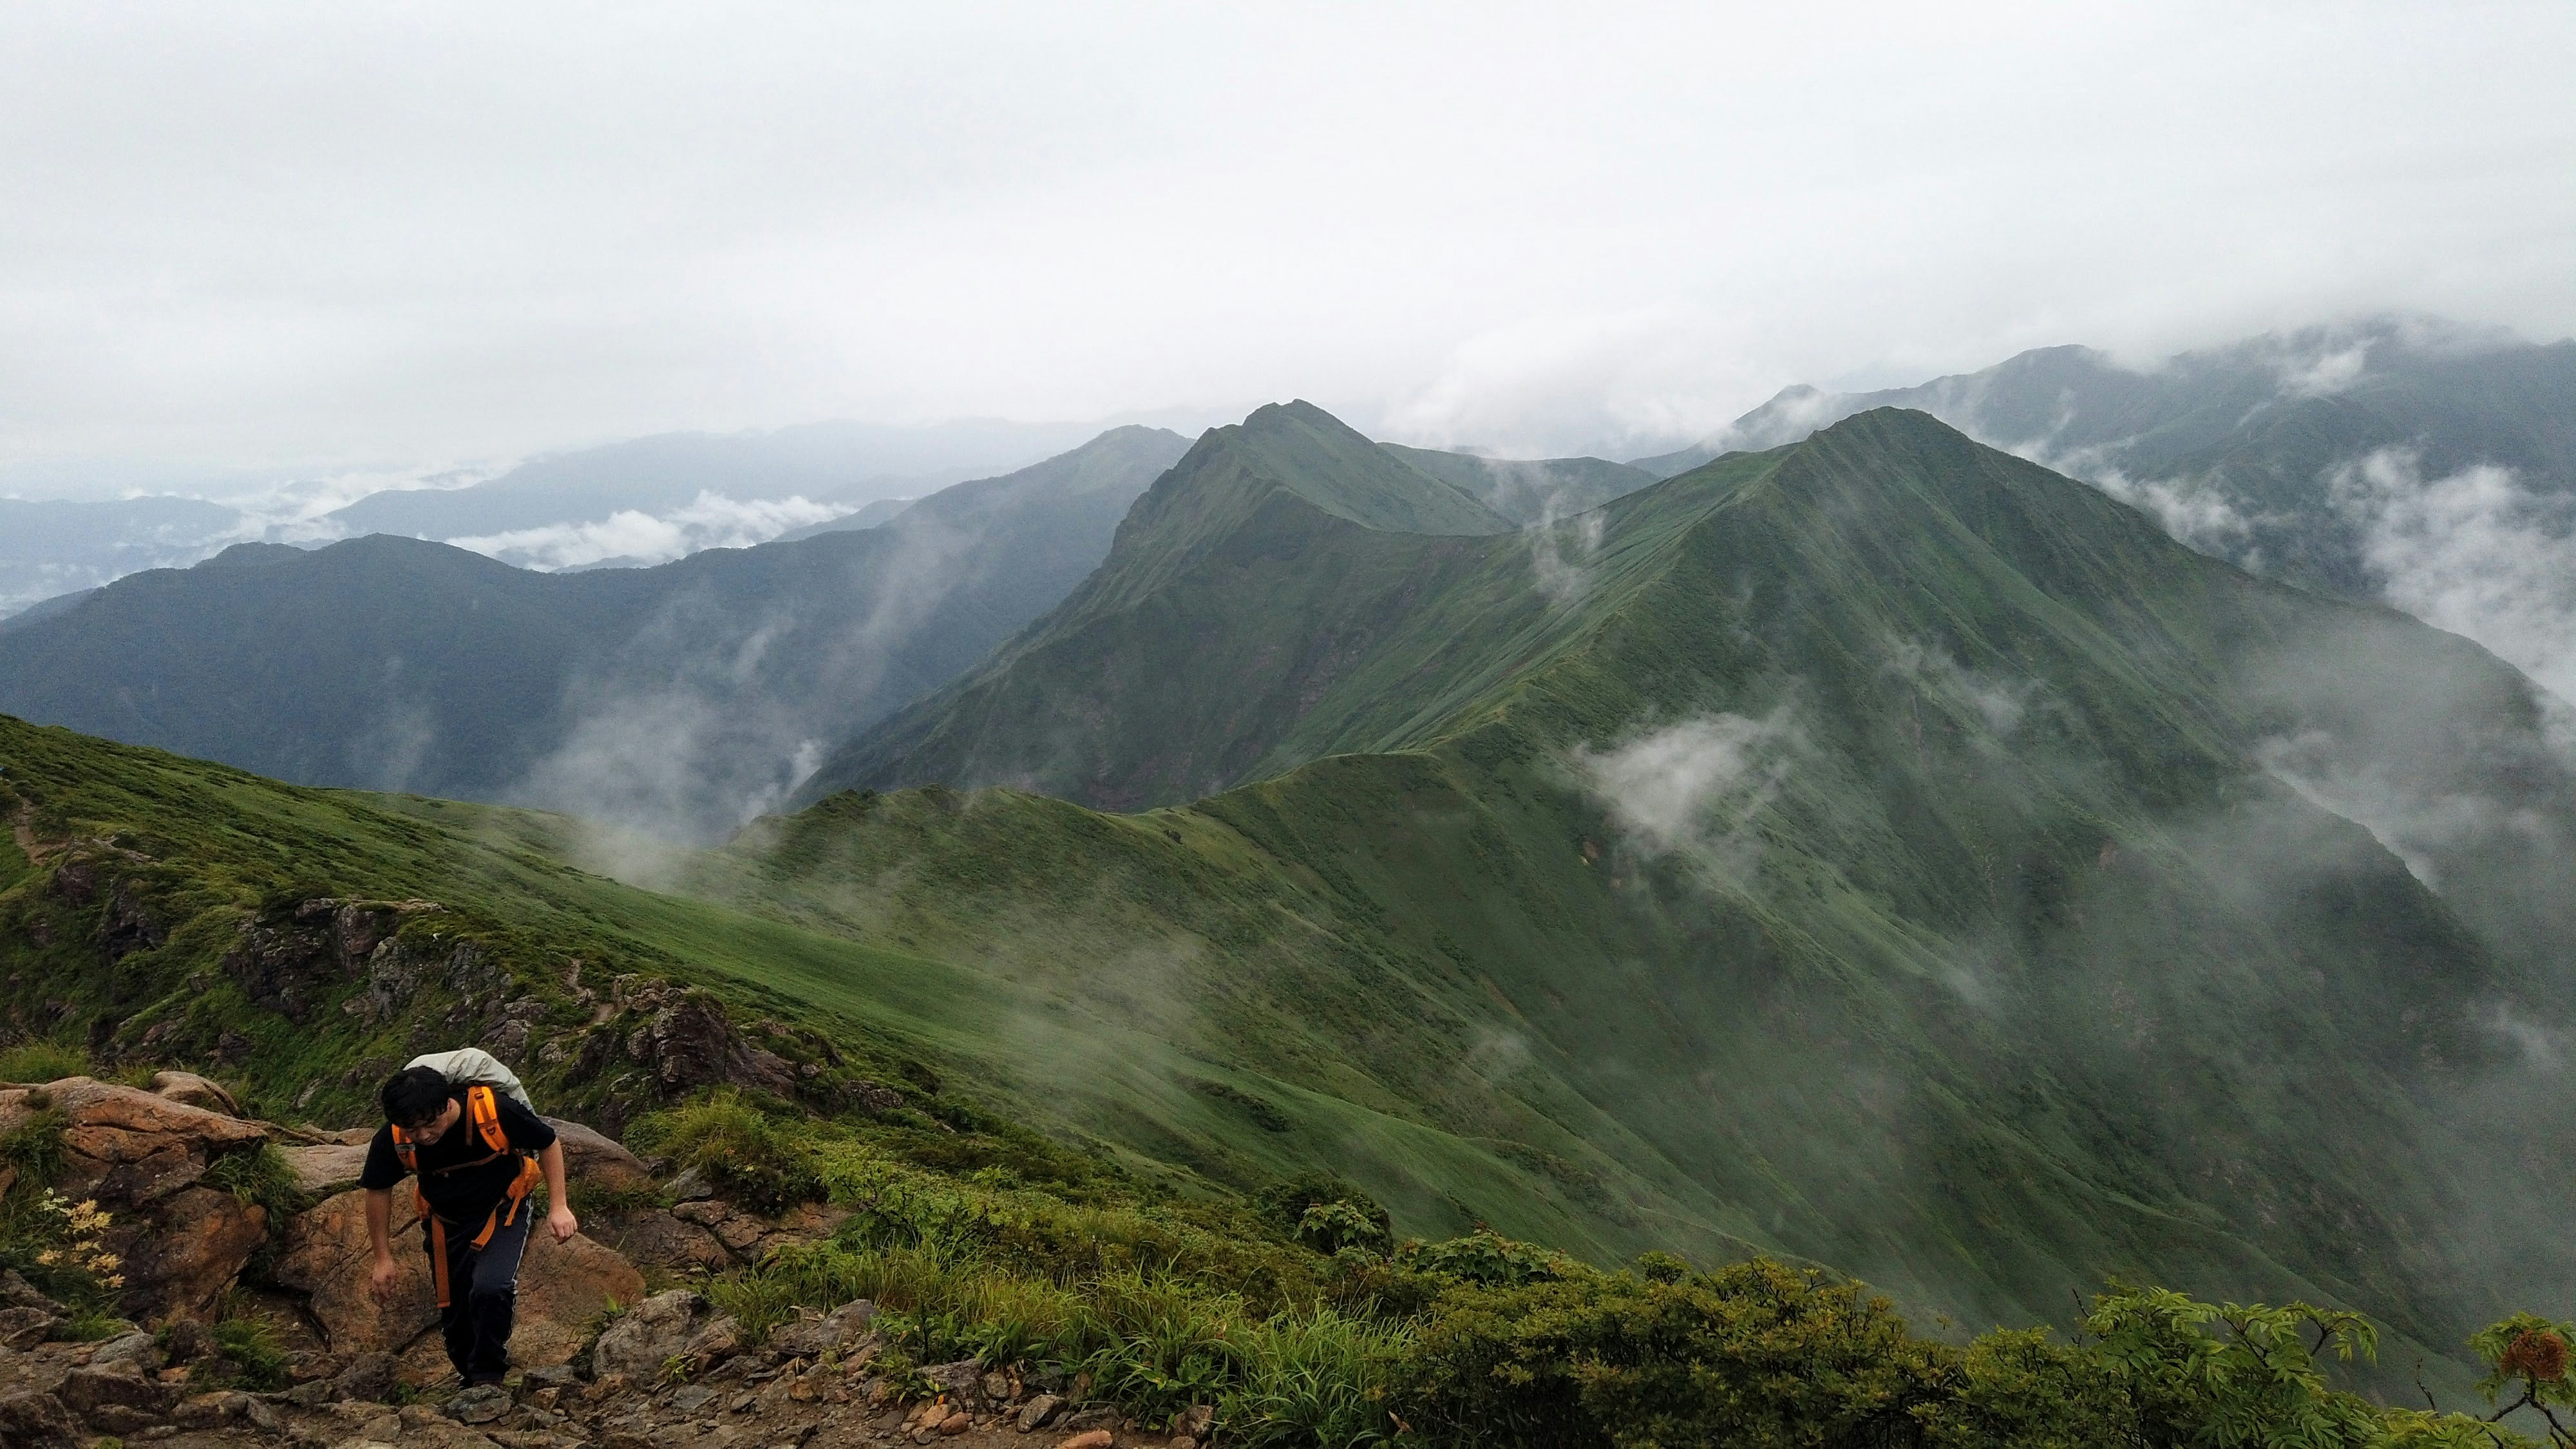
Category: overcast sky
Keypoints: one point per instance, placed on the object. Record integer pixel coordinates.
(245, 237)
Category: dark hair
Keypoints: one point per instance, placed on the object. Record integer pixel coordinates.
(414, 1096)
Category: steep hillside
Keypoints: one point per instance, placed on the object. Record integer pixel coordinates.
(1234, 562)
(1880, 849)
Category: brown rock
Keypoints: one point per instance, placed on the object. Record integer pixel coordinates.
(656, 1239)
(713, 1344)
(37, 1421)
(562, 1286)
(196, 1091)
(168, 1169)
(594, 1160)
(958, 1423)
(212, 1410)
(24, 1328)
(648, 1335)
(741, 1232)
(199, 1244)
(89, 1103)
(1088, 1439)
(326, 1255)
(323, 1169)
(87, 1391)
(706, 1212)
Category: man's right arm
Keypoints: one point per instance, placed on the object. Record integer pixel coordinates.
(380, 1215)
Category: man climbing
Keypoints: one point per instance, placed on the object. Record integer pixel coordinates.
(474, 1154)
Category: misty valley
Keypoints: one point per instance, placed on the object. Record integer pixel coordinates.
(2032, 908)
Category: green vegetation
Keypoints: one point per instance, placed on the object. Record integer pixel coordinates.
(1156, 1305)
(1859, 855)
(42, 1061)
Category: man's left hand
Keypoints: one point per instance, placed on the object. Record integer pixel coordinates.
(563, 1222)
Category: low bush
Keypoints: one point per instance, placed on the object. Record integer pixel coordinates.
(42, 1061)
(760, 1160)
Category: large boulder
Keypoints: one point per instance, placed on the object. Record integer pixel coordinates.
(196, 1091)
(196, 1245)
(657, 1239)
(323, 1168)
(563, 1287)
(128, 1147)
(592, 1159)
(38, 1420)
(326, 1255)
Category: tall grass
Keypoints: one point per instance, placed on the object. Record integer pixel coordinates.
(42, 1061)
(1152, 1342)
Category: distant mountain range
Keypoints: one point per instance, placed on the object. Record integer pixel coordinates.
(680, 697)
(628, 504)
(2404, 460)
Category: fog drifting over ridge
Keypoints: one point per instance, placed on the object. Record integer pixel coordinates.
(315, 238)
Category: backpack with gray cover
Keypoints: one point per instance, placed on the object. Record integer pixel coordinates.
(473, 1066)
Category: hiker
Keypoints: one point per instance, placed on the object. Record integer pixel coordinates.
(474, 1154)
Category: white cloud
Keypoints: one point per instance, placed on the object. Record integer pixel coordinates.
(712, 520)
(2475, 553)
(1695, 789)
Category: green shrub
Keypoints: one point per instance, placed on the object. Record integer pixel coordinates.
(42, 1061)
(1284, 1204)
(35, 1148)
(1487, 1258)
(251, 1352)
(764, 1162)
(259, 1177)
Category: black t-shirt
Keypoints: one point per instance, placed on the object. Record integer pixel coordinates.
(469, 1194)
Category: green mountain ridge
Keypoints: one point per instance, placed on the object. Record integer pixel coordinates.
(1878, 850)
(1953, 823)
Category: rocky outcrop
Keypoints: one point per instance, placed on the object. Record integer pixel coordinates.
(593, 1159)
(687, 1040)
(294, 964)
(562, 1286)
(326, 1256)
(325, 1168)
(141, 1155)
(649, 1335)
(193, 1249)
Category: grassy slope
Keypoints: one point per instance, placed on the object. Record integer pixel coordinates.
(2036, 976)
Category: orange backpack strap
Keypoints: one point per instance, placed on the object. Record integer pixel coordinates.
(483, 1106)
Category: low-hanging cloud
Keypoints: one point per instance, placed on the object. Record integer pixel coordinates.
(1561, 553)
(2475, 552)
(712, 520)
(1695, 790)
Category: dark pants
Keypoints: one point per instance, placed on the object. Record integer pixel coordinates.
(482, 1295)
